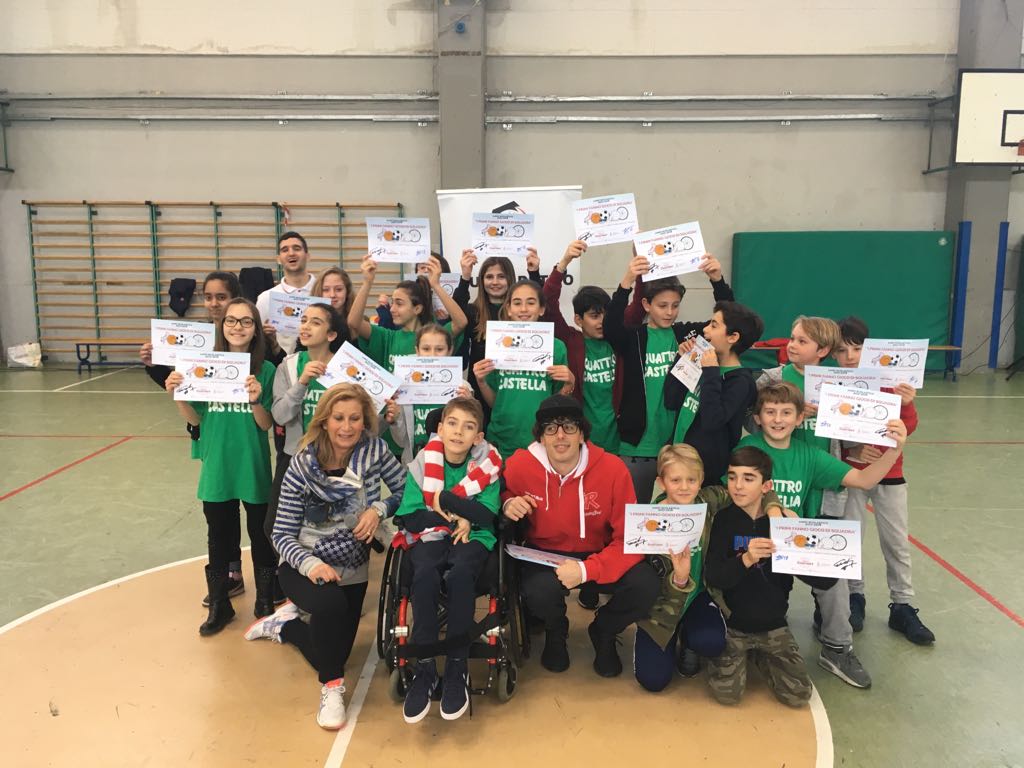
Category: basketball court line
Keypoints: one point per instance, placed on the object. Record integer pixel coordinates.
(341, 742)
(96, 437)
(86, 381)
(82, 391)
(57, 471)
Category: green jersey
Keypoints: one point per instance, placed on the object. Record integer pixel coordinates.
(385, 344)
(799, 470)
(412, 499)
(662, 348)
(517, 396)
(313, 391)
(234, 450)
(598, 385)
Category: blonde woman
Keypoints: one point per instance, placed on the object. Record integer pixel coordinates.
(328, 511)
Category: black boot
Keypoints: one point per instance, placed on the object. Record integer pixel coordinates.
(265, 578)
(221, 611)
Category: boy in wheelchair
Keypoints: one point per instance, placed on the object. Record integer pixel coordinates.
(449, 513)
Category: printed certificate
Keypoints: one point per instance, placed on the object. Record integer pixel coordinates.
(688, 368)
(403, 241)
(520, 346)
(349, 364)
(214, 377)
(502, 234)
(903, 360)
(286, 310)
(606, 220)
(538, 556)
(427, 380)
(847, 413)
(449, 282)
(864, 379)
(672, 250)
(657, 529)
(172, 336)
(816, 547)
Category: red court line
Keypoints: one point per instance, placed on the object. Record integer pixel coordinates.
(967, 442)
(972, 585)
(57, 471)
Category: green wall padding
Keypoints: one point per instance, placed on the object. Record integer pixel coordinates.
(1018, 324)
(899, 283)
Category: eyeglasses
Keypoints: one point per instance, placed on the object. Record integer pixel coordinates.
(568, 427)
(245, 322)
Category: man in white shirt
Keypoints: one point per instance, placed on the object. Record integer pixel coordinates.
(292, 255)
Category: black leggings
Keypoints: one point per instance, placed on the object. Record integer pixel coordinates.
(327, 640)
(223, 533)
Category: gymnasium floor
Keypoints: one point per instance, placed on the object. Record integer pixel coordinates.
(98, 486)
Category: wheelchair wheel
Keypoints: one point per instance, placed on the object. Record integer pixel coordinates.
(398, 685)
(507, 679)
(387, 608)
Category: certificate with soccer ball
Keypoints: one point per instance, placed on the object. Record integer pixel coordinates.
(606, 220)
(658, 529)
(352, 366)
(214, 377)
(846, 413)
(816, 547)
(427, 380)
(520, 346)
(502, 234)
(286, 310)
(671, 250)
(169, 337)
(401, 241)
(901, 360)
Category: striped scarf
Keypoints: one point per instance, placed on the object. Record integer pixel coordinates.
(478, 474)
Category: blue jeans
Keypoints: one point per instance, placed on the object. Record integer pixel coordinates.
(702, 629)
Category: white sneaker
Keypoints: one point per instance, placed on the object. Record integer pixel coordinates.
(269, 627)
(332, 706)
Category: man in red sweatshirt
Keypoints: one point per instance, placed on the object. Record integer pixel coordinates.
(571, 497)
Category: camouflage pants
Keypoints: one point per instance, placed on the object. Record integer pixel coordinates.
(777, 657)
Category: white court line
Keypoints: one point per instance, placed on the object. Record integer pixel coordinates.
(974, 397)
(65, 600)
(822, 731)
(91, 378)
(355, 706)
(82, 391)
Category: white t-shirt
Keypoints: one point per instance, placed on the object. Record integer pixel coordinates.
(287, 343)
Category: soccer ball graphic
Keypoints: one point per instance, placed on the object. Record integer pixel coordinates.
(598, 217)
(668, 526)
(808, 541)
(849, 409)
(392, 236)
(660, 249)
(355, 374)
(495, 231)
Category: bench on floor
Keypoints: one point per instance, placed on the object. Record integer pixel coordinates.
(84, 348)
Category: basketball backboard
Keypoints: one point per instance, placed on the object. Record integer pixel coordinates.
(989, 117)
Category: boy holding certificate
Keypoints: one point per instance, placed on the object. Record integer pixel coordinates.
(889, 499)
(711, 415)
(647, 352)
(753, 597)
(800, 469)
(449, 512)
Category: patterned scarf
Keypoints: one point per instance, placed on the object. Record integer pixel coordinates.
(478, 474)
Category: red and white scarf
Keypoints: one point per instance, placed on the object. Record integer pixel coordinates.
(478, 475)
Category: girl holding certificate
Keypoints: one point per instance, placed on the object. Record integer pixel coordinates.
(236, 465)
(411, 308)
(514, 396)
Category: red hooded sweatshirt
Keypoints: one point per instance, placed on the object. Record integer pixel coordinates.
(582, 512)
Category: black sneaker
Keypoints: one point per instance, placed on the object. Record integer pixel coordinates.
(688, 663)
(455, 695)
(606, 657)
(421, 690)
(817, 619)
(235, 588)
(903, 618)
(588, 596)
(857, 605)
(555, 656)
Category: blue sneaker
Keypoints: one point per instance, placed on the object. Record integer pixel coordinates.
(455, 696)
(421, 691)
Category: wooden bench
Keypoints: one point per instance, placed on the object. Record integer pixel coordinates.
(83, 350)
(773, 345)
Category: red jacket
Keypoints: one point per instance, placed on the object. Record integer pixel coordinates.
(576, 349)
(583, 512)
(908, 414)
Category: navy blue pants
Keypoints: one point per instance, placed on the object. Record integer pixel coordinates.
(702, 629)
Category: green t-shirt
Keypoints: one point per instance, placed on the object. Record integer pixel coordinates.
(419, 425)
(805, 434)
(661, 351)
(688, 411)
(385, 344)
(598, 383)
(799, 470)
(234, 450)
(517, 395)
(313, 391)
(412, 499)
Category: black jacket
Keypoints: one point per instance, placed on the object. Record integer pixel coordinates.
(716, 429)
(631, 346)
(756, 598)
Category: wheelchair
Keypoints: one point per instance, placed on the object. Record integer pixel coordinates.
(499, 638)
